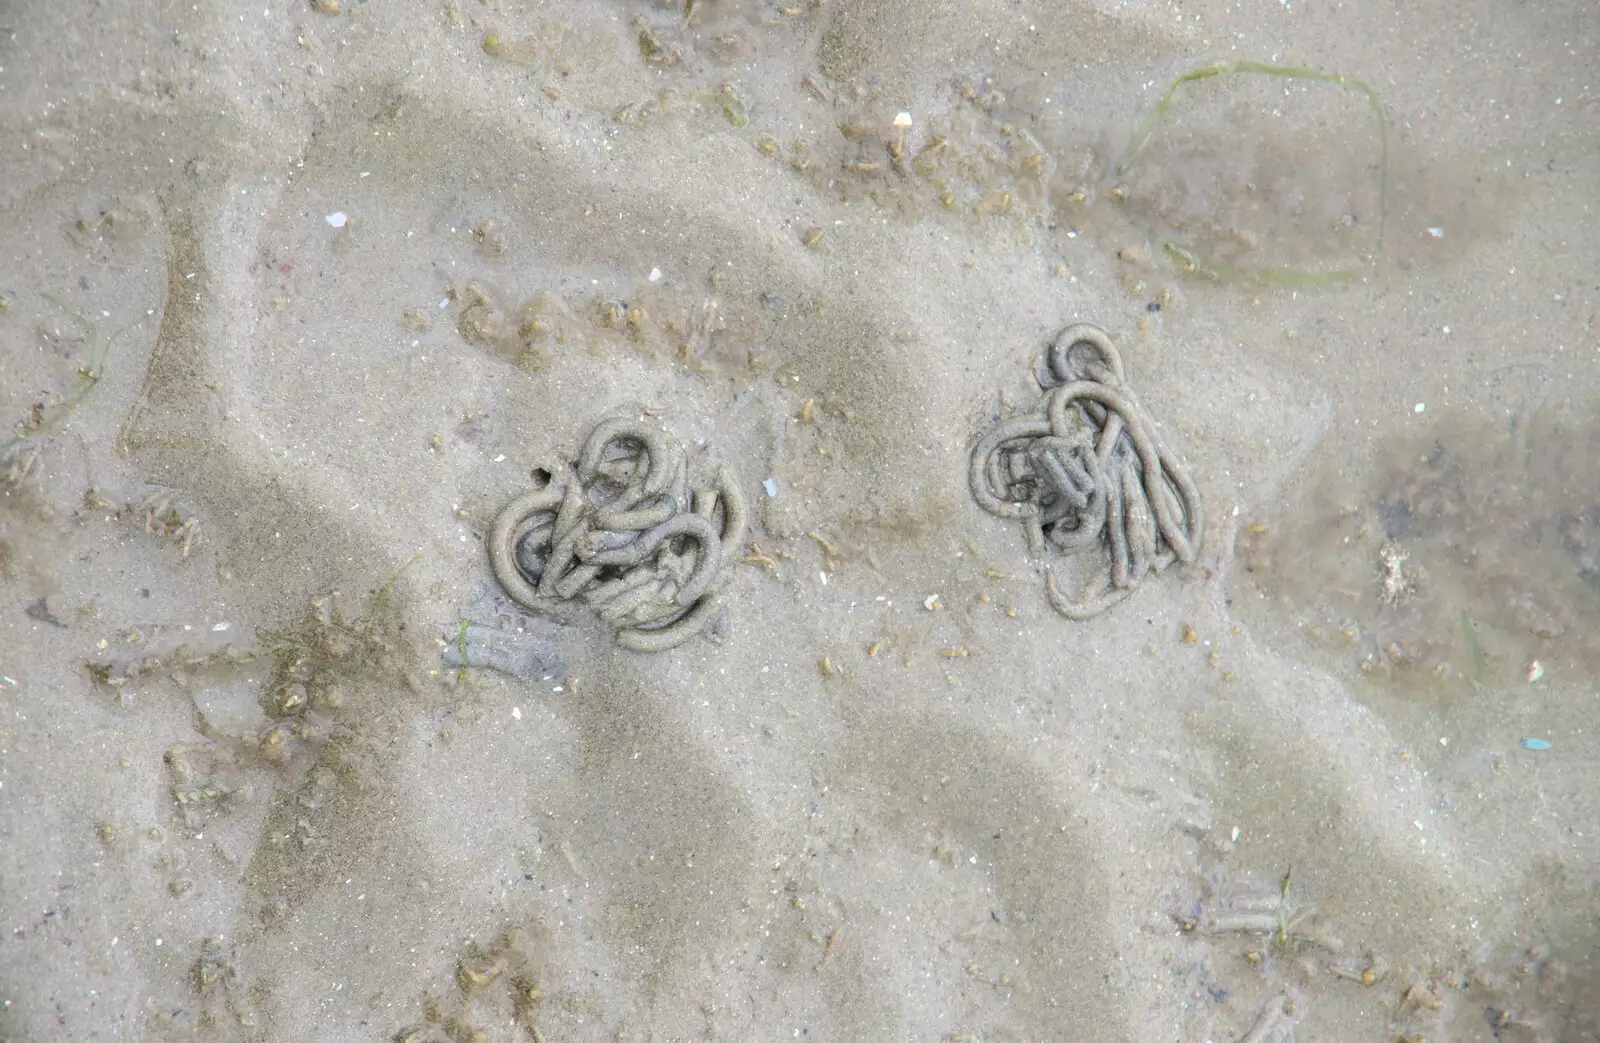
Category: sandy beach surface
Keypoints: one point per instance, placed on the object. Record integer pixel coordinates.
(293, 299)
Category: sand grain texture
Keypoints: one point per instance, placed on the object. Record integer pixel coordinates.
(254, 448)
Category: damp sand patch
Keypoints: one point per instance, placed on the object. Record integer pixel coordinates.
(1249, 172)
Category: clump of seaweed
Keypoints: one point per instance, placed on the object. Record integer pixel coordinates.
(495, 984)
(310, 656)
(221, 993)
(204, 780)
(327, 645)
(163, 518)
(703, 334)
(302, 736)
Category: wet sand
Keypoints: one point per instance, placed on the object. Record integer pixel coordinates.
(295, 299)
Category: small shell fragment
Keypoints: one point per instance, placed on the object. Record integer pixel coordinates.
(1535, 671)
(902, 119)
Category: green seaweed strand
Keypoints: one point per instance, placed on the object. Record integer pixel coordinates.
(88, 376)
(1191, 262)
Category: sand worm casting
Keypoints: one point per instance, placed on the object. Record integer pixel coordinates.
(622, 533)
(1089, 473)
